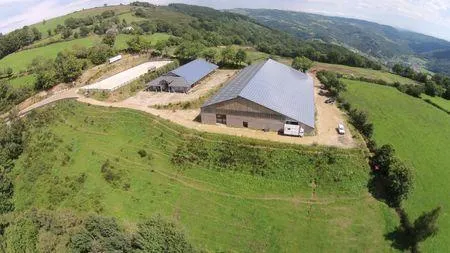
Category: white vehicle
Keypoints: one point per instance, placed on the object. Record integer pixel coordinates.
(341, 129)
(292, 128)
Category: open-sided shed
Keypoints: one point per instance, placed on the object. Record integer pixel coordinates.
(183, 78)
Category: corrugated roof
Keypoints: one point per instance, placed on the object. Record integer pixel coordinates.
(173, 81)
(194, 71)
(275, 86)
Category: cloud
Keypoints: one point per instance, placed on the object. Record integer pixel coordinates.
(425, 16)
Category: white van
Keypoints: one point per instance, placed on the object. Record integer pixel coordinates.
(293, 128)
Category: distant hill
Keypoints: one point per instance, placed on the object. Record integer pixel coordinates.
(380, 41)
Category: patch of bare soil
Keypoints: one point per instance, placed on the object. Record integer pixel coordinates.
(146, 98)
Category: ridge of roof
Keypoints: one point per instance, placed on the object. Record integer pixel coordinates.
(275, 86)
(233, 87)
(194, 70)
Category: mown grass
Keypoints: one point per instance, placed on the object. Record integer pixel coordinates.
(420, 133)
(223, 208)
(441, 102)
(362, 72)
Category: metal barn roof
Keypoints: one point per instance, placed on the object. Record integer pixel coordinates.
(194, 71)
(275, 86)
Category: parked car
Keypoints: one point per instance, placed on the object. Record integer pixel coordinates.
(341, 128)
(330, 101)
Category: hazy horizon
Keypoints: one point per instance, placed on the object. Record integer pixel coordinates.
(426, 17)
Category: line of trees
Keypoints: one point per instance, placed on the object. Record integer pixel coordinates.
(17, 39)
(225, 57)
(392, 179)
(434, 85)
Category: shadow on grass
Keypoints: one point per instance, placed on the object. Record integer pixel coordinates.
(402, 237)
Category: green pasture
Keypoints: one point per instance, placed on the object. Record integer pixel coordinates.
(19, 61)
(362, 72)
(295, 199)
(420, 134)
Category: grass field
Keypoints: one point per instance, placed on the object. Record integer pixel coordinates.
(19, 61)
(444, 103)
(222, 206)
(121, 40)
(420, 133)
(23, 81)
(362, 72)
(52, 23)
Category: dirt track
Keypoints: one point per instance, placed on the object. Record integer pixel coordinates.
(328, 116)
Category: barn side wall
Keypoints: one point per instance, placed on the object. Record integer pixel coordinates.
(240, 110)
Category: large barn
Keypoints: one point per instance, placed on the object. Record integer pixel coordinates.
(183, 78)
(265, 96)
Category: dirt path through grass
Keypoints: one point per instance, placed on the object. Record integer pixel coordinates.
(328, 116)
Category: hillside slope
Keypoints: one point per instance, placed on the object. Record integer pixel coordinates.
(377, 40)
(230, 194)
(418, 132)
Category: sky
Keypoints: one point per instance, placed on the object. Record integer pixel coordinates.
(431, 17)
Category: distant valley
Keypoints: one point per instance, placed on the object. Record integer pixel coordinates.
(383, 42)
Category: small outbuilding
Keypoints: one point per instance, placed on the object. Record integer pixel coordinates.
(183, 78)
(268, 96)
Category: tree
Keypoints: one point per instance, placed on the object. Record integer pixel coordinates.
(66, 33)
(241, 56)
(109, 38)
(400, 182)
(37, 35)
(137, 44)
(426, 225)
(49, 32)
(398, 69)
(67, 67)
(430, 88)
(302, 63)
(189, 51)
(414, 90)
(446, 94)
(383, 158)
(159, 235)
(84, 31)
(161, 46)
(6, 192)
(45, 79)
(210, 54)
(228, 56)
(100, 234)
(100, 53)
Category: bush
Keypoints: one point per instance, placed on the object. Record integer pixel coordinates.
(100, 234)
(359, 120)
(99, 54)
(108, 172)
(159, 235)
(142, 153)
(400, 182)
(413, 90)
